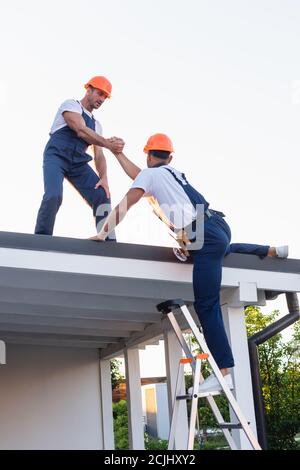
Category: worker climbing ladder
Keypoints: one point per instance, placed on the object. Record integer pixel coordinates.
(167, 308)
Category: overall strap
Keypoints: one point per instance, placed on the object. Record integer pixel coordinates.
(83, 111)
(194, 196)
(194, 193)
(176, 178)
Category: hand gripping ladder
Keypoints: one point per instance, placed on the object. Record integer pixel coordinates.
(167, 308)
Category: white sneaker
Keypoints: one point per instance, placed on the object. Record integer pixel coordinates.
(211, 384)
(282, 251)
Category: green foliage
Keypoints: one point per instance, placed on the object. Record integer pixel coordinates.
(280, 377)
(215, 442)
(120, 415)
(152, 443)
(116, 375)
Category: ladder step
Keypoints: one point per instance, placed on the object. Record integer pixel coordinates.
(200, 395)
(211, 393)
(183, 397)
(230, 425)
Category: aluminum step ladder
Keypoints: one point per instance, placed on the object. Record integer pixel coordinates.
(167, 308)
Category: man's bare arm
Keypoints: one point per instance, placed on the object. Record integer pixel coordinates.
(100, 164)
(119, 212)
(128, 166)
(76, 122)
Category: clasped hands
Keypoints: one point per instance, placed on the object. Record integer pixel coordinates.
(115, 144)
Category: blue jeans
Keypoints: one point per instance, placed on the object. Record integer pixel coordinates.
(207, 276)
(248, 249)
(81, 176)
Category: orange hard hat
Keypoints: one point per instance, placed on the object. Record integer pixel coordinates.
(159, 142)
(101, 83)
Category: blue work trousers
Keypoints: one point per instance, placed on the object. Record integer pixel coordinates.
(81, 176)
(207, 276)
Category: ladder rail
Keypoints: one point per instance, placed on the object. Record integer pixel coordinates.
(193, 415)
(167, 307)
(230, 397)
(181, 339)
(171, 441)
(220, 419)
(215, 410)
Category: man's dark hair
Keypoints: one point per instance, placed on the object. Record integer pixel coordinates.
(159, 154)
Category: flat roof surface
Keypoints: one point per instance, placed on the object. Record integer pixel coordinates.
(128, 250)
(67, 292)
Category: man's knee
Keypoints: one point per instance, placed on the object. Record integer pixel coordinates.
(52, 200)
(101, 205)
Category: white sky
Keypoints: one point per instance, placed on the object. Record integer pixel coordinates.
(221, 78)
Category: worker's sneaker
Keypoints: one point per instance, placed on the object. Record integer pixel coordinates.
(282, 251)
(211, 384)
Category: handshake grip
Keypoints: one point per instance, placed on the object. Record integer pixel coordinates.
(115, 144)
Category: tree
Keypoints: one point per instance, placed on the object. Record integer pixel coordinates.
(116, 375)
(120, 415)
(280, 377)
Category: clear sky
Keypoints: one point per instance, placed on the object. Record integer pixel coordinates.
(221, 78)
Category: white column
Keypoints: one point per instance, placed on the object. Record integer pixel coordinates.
(2, 352)
(106, 405)
(173, 354)
(134, 399)
(234, 319)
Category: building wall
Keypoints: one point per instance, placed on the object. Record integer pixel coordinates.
(50, 398)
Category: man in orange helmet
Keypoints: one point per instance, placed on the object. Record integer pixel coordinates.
(74, 129)
(185, 209)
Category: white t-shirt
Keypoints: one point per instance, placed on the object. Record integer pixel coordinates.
(75, 107)
(170, 196)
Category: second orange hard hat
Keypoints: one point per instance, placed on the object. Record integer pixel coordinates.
(101, 83)
(159, 142)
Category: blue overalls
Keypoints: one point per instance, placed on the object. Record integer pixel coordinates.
(207, 275)
(65, 157)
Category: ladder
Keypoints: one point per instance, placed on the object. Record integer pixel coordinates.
(167, 308)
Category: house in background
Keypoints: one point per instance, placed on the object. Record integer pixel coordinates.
(155, 406)
(156, 409)
(119, 393)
